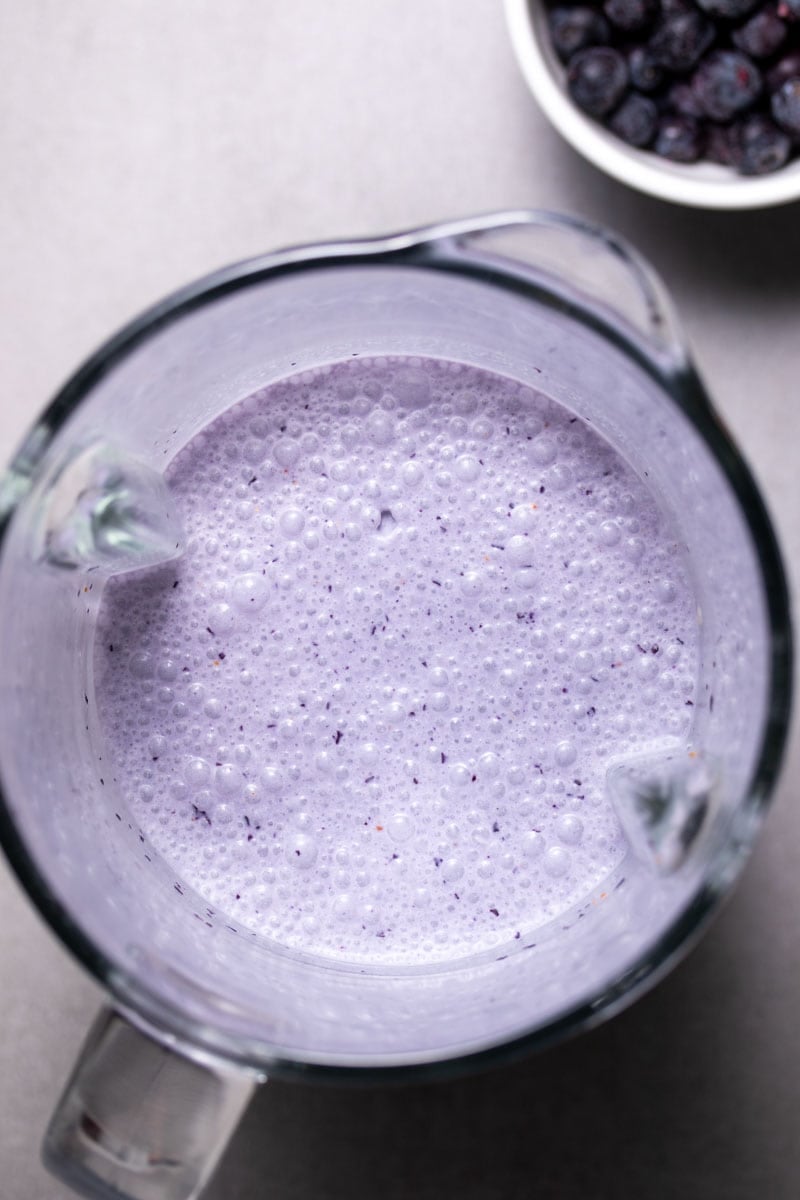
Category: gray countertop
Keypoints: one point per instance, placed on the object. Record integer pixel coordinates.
(144, 143)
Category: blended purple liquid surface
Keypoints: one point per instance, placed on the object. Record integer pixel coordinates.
(368, 714)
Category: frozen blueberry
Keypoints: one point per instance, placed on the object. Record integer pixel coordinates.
(726, 83)
(729, 10)
(646, 75)
(785, 105)
(680, 40)
(762, 35)
(597, 79)
(630, 15)
(679, 139)
(721, 146)
(762, 146)
(683, 99)
(574, 28)
(789, 10)
(635, 121)
(787, 67)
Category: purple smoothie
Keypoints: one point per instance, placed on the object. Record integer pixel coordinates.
(370, 711)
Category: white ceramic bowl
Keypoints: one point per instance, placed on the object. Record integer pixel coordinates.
(703, 185)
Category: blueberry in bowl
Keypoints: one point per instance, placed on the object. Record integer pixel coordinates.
(694, 101)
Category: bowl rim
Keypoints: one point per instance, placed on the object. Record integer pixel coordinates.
(638, 168)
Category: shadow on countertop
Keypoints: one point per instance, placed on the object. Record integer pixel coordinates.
(698, 251)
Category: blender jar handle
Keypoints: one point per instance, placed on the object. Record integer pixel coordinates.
(141, 1118)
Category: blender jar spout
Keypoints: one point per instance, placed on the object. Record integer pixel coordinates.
(581, 264)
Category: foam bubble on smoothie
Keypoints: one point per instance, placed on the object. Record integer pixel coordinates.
(369, 713)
